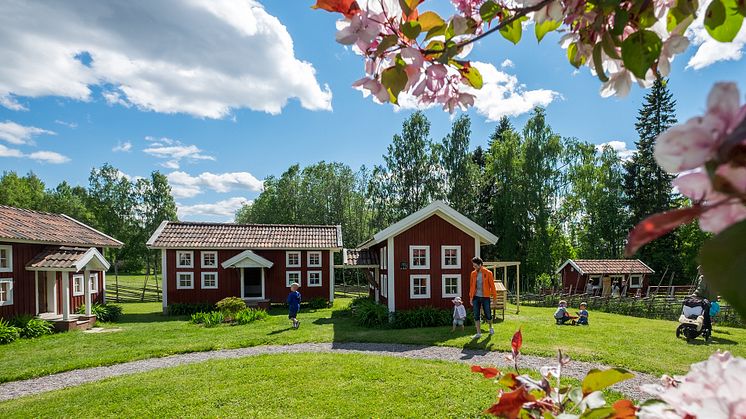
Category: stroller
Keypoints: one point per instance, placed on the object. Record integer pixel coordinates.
(694, 319)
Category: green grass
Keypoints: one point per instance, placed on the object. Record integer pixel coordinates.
(639, 344)
(131, 287)
(281, 385)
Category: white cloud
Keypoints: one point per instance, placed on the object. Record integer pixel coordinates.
(174, 151)
(9, 152)
(620, 147)
(71, 125)
(124, 147)
(183, 185)
(40, 156)
(507, 63)
(711, 51)
(225, 208)
(201, 57)
(20, 134)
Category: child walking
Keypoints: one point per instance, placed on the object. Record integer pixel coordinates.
(459, 314)
(294, 304)
(583, 314)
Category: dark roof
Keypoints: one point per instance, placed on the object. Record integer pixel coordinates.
(358, 257)
(61, 257)
(612, 266)
(245, 236)
(24, 225)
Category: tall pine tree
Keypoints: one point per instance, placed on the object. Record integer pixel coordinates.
(460, 171)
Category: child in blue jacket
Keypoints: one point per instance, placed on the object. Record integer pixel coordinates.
(294, 304)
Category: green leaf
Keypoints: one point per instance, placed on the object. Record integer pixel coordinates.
(545, 27)
(436, 31)
(430, 20)
(394, 79)
(489, 10)
(722, 20)
(640, 51)
(573, 55)
(411, 29)
(598, 63)
(681, 16)
(723, 259)
(472, 75)
(598, 413)
(514, 30)
(600, 379)
(609, 46)
(621, 17)
(387, 42)
(408, 6)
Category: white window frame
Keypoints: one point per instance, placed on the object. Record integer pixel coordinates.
(308, 279)
(288, 282)
(178, 281)
(458, 285)
(383, 258)
(78, 279)
(9, 301)
(308, 257)
(93, 282)
(202, 283)
(630, 284)
(184, 252)
(9, 250)
(208, 252)
(385, 285)
(443, 264)
(411, 257)
(287, 259)
(412, 278)
(614, 278)
(600, 281)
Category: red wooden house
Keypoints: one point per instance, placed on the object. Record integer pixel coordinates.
(577, 274)
(424, 259)
(44, 262)
(206, 262)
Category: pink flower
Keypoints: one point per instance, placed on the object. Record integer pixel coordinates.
(359, 30)
(374, 87)
(724, 210)
(436, 77)
(467, 7)
(688, 146)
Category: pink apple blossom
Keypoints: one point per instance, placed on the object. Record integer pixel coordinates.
(374, 87)
(724, 210)
(688, 146)
(468, 7)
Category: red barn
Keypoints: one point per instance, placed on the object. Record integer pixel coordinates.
(425, 259)
(44, 262)
(602, 273)
(206, 262)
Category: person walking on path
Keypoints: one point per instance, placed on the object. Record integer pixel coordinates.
(481, 288)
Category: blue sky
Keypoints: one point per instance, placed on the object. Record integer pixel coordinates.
(219, 107)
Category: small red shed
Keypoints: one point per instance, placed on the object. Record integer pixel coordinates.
(597, 276)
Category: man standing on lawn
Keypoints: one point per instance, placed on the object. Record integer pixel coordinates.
(481, 288)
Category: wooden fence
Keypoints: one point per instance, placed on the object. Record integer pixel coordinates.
(132, 294)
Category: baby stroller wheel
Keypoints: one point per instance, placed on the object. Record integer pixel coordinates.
(679, 330)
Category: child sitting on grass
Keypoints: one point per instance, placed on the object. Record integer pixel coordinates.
(583, 314)
(459, 314)
(294, 304)
(561, 315)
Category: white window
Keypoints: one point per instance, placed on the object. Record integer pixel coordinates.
(314, 259)
(635, 281)
(184, 259)
(93, 282)
(419, 257)
(6, 258)
(450, 257)
(419, 286)
(210, 259)
(184, 280)
(77, 285)
(451, 286)
(384, 285)
(383, 258)
(209, 280)
(290, 277)
(292, 259)
(314, 278)
(6, 291)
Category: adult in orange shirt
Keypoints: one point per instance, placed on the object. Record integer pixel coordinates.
(481, 288)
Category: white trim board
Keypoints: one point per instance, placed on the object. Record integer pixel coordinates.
(247, 259)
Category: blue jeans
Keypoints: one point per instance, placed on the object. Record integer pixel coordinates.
(484, 303)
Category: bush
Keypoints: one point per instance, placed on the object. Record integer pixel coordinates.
(421, 317)
(8, 333)
(187, 309)
(31, 327)
(368, 313)
(103, 312)
(249, 315)
(317, 303)
(230, 306)
(209, 319)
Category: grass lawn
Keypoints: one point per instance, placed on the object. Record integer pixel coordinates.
(639, 344)
(283, 385)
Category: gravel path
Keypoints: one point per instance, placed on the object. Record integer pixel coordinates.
(576, 369)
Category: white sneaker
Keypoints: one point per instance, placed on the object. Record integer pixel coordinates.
(477, 336)
(492, 331)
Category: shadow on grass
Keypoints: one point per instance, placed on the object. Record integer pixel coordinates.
(713, 341)
(149, 318)
(277, 332)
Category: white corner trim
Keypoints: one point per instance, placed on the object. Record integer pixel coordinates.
(331, 274)
(428, 288)
(255, 261)
(573, 264)
(164, 280)
(90, 255)
(156, 233)
(390, 271)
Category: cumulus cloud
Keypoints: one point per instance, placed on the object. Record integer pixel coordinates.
(39, 156)
(199, 57)
(174, 151)
(20, 134)
(9, 152)
(124, 147)
(225, 208)
(183, 185)
(620, 147)
(507, 63)
(711, 51)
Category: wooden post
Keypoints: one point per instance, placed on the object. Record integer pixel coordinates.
(65, 295)
(518, 289)
(87, 291)
(36, 291)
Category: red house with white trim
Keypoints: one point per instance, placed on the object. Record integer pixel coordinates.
(44, 260)
(206, 262)
(425, 258)
(577, 274)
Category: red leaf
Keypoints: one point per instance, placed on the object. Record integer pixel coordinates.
(659, 224)
(510, 404)
(346, 7)
(487, 372)
(624, 409)
(517, 342)
(510, 380)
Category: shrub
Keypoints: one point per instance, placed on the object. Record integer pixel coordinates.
(368, 313)
(230, 306)
(8, 333)
(421, 317)
(31, 327)
(187, 309)
(317, 303)
(249, 315)
(209, 319)
(103, 312)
